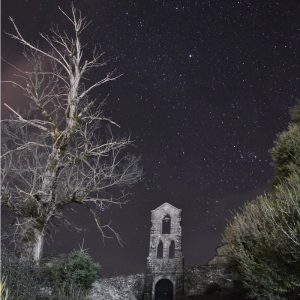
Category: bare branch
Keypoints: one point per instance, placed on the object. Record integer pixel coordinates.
(101, 82)
(31, 122)
(20, 38)
(14, 84)
(63, 150)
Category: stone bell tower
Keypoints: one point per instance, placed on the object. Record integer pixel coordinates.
(164, 274)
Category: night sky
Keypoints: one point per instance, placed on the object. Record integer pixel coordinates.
(207, 85)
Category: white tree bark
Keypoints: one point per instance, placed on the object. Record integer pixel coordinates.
(63, 151)
(33, 247)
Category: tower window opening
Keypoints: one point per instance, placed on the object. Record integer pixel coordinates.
(172, 250)
(160, 250)
(166, 225)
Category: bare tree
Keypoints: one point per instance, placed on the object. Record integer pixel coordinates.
(62, 151)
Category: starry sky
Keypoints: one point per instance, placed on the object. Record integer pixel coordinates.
(206, 87)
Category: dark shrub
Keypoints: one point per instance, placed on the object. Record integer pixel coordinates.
(24, 279)
(64, 278)
(212, 288)
(76, 269)
(264, 237)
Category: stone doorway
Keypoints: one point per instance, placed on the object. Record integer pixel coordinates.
(164, 290)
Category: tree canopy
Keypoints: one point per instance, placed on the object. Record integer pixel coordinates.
(264, 237)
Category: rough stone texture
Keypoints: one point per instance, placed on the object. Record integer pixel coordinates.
(221, 257)
(118, 288)
(198, 280)
(165, 267)
(208, 282)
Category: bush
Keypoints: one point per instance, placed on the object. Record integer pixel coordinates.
(77, 269)
(69, 292)
(295, 113)
(286, 153)
(264, 243)
(24, 280)
(264, 238)
(65, 278)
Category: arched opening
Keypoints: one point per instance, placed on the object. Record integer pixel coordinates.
(166, 224)
(172, 250)
(160, 250)
(164, 290)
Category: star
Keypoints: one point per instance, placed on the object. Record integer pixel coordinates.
(202, 98)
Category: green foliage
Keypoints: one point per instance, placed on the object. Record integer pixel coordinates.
(70, 292)
(264, 237)
(65, 278)
(286, 153)
(77, 269)
(264, 241)
(295, 113)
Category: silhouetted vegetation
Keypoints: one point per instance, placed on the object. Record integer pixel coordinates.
(76, 269)
(264, 237)
(64, 278)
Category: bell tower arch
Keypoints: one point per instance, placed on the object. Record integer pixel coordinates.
(165, 260)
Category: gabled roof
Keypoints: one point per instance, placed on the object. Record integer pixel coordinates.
(166, 205)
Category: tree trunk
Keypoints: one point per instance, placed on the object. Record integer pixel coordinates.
(32, 243)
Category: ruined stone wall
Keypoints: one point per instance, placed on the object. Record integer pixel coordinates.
(127, 287)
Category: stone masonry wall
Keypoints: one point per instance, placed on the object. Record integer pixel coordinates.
(165, 267)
